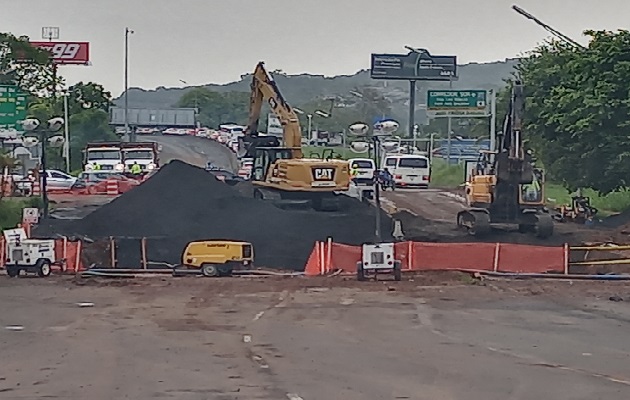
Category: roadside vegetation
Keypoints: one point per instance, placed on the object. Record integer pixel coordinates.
(11, 210)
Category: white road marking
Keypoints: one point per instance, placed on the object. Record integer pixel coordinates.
(257, 317)
(293, 396)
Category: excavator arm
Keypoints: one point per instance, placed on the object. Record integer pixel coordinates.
(512, 163)
(263, 88)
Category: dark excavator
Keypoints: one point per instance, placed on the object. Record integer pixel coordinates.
(506, 187)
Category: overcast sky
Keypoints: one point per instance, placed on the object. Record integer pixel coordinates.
(215, 41)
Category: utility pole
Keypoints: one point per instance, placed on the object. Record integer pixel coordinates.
(493, 120)
(412, 106)
(131, 135)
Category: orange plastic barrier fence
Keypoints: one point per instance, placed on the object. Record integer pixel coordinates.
(418, 256)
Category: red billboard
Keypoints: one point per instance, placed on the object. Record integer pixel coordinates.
(67, 52)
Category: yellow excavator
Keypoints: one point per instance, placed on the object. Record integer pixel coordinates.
(280, 172)
(506, 187)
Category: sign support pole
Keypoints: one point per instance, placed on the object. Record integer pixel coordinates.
(449, 130)
(493, 120)
(412, 106)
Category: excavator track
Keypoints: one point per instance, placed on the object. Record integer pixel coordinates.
(308, 201)
(476, 223)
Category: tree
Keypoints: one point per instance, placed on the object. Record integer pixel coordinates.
(216, 108)
(26, 66)
(83, 96)
(578, 111)
(90, 125)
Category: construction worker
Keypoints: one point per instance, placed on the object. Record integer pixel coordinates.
(354, 172)
(531, 191)
(95, 166)
(135, 169)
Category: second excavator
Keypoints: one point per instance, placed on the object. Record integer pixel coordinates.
(506, 187)
(280, 172)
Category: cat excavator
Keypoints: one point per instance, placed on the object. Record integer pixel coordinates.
(506, 187)
(280, 172)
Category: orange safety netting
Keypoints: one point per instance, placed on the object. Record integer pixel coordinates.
(418, 256)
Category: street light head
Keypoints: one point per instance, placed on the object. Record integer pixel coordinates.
(359, 147)
(56, 141)
(297, 110)
(322, 114)
(30, 124)
(54, 124)
(30, 141)
(359, 128)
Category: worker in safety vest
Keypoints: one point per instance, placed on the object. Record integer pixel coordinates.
(95, 166)
(135, 169)
(354, 172)
(531, 191)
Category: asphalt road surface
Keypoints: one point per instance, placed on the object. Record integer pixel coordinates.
(313, 339)
(193, 150)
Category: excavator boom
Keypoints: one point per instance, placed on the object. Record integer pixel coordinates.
(264, 87)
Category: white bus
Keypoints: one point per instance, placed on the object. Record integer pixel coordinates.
(408, 170)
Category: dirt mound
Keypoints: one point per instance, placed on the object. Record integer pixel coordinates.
(182, 203)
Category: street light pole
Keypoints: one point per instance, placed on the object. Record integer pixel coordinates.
(41, 136)
(309, 117)
(377, 192)
(44, 140)
(66, 128)
(127, 132)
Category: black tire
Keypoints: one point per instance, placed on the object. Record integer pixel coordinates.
(544, 226)
(258, 195)
(43, 269)
(209, 270)
(397, 271)
(13, 272)
(360, 272)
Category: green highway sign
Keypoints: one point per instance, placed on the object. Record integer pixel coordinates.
(457, 102)
(13, 105)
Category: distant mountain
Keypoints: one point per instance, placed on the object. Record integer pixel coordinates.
(304, 88)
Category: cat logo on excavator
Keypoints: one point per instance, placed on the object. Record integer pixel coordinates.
(324, 174)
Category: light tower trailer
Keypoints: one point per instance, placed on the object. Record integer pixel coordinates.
(378, 259)
(29, 255)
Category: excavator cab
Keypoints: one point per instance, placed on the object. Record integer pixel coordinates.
(264, 157)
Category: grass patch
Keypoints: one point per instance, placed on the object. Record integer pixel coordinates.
(445, 175)
(11, 210)
(609, 204)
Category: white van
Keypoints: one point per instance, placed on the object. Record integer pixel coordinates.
(366, 169)
(408, 170)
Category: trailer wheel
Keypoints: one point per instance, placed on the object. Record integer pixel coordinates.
(360, 272)
(209, 270)
(13, 272)
(43, 269)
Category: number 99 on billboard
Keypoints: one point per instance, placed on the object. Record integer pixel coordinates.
(66, 52)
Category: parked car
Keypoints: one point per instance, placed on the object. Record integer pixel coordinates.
(58, 180)
(98, 179)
